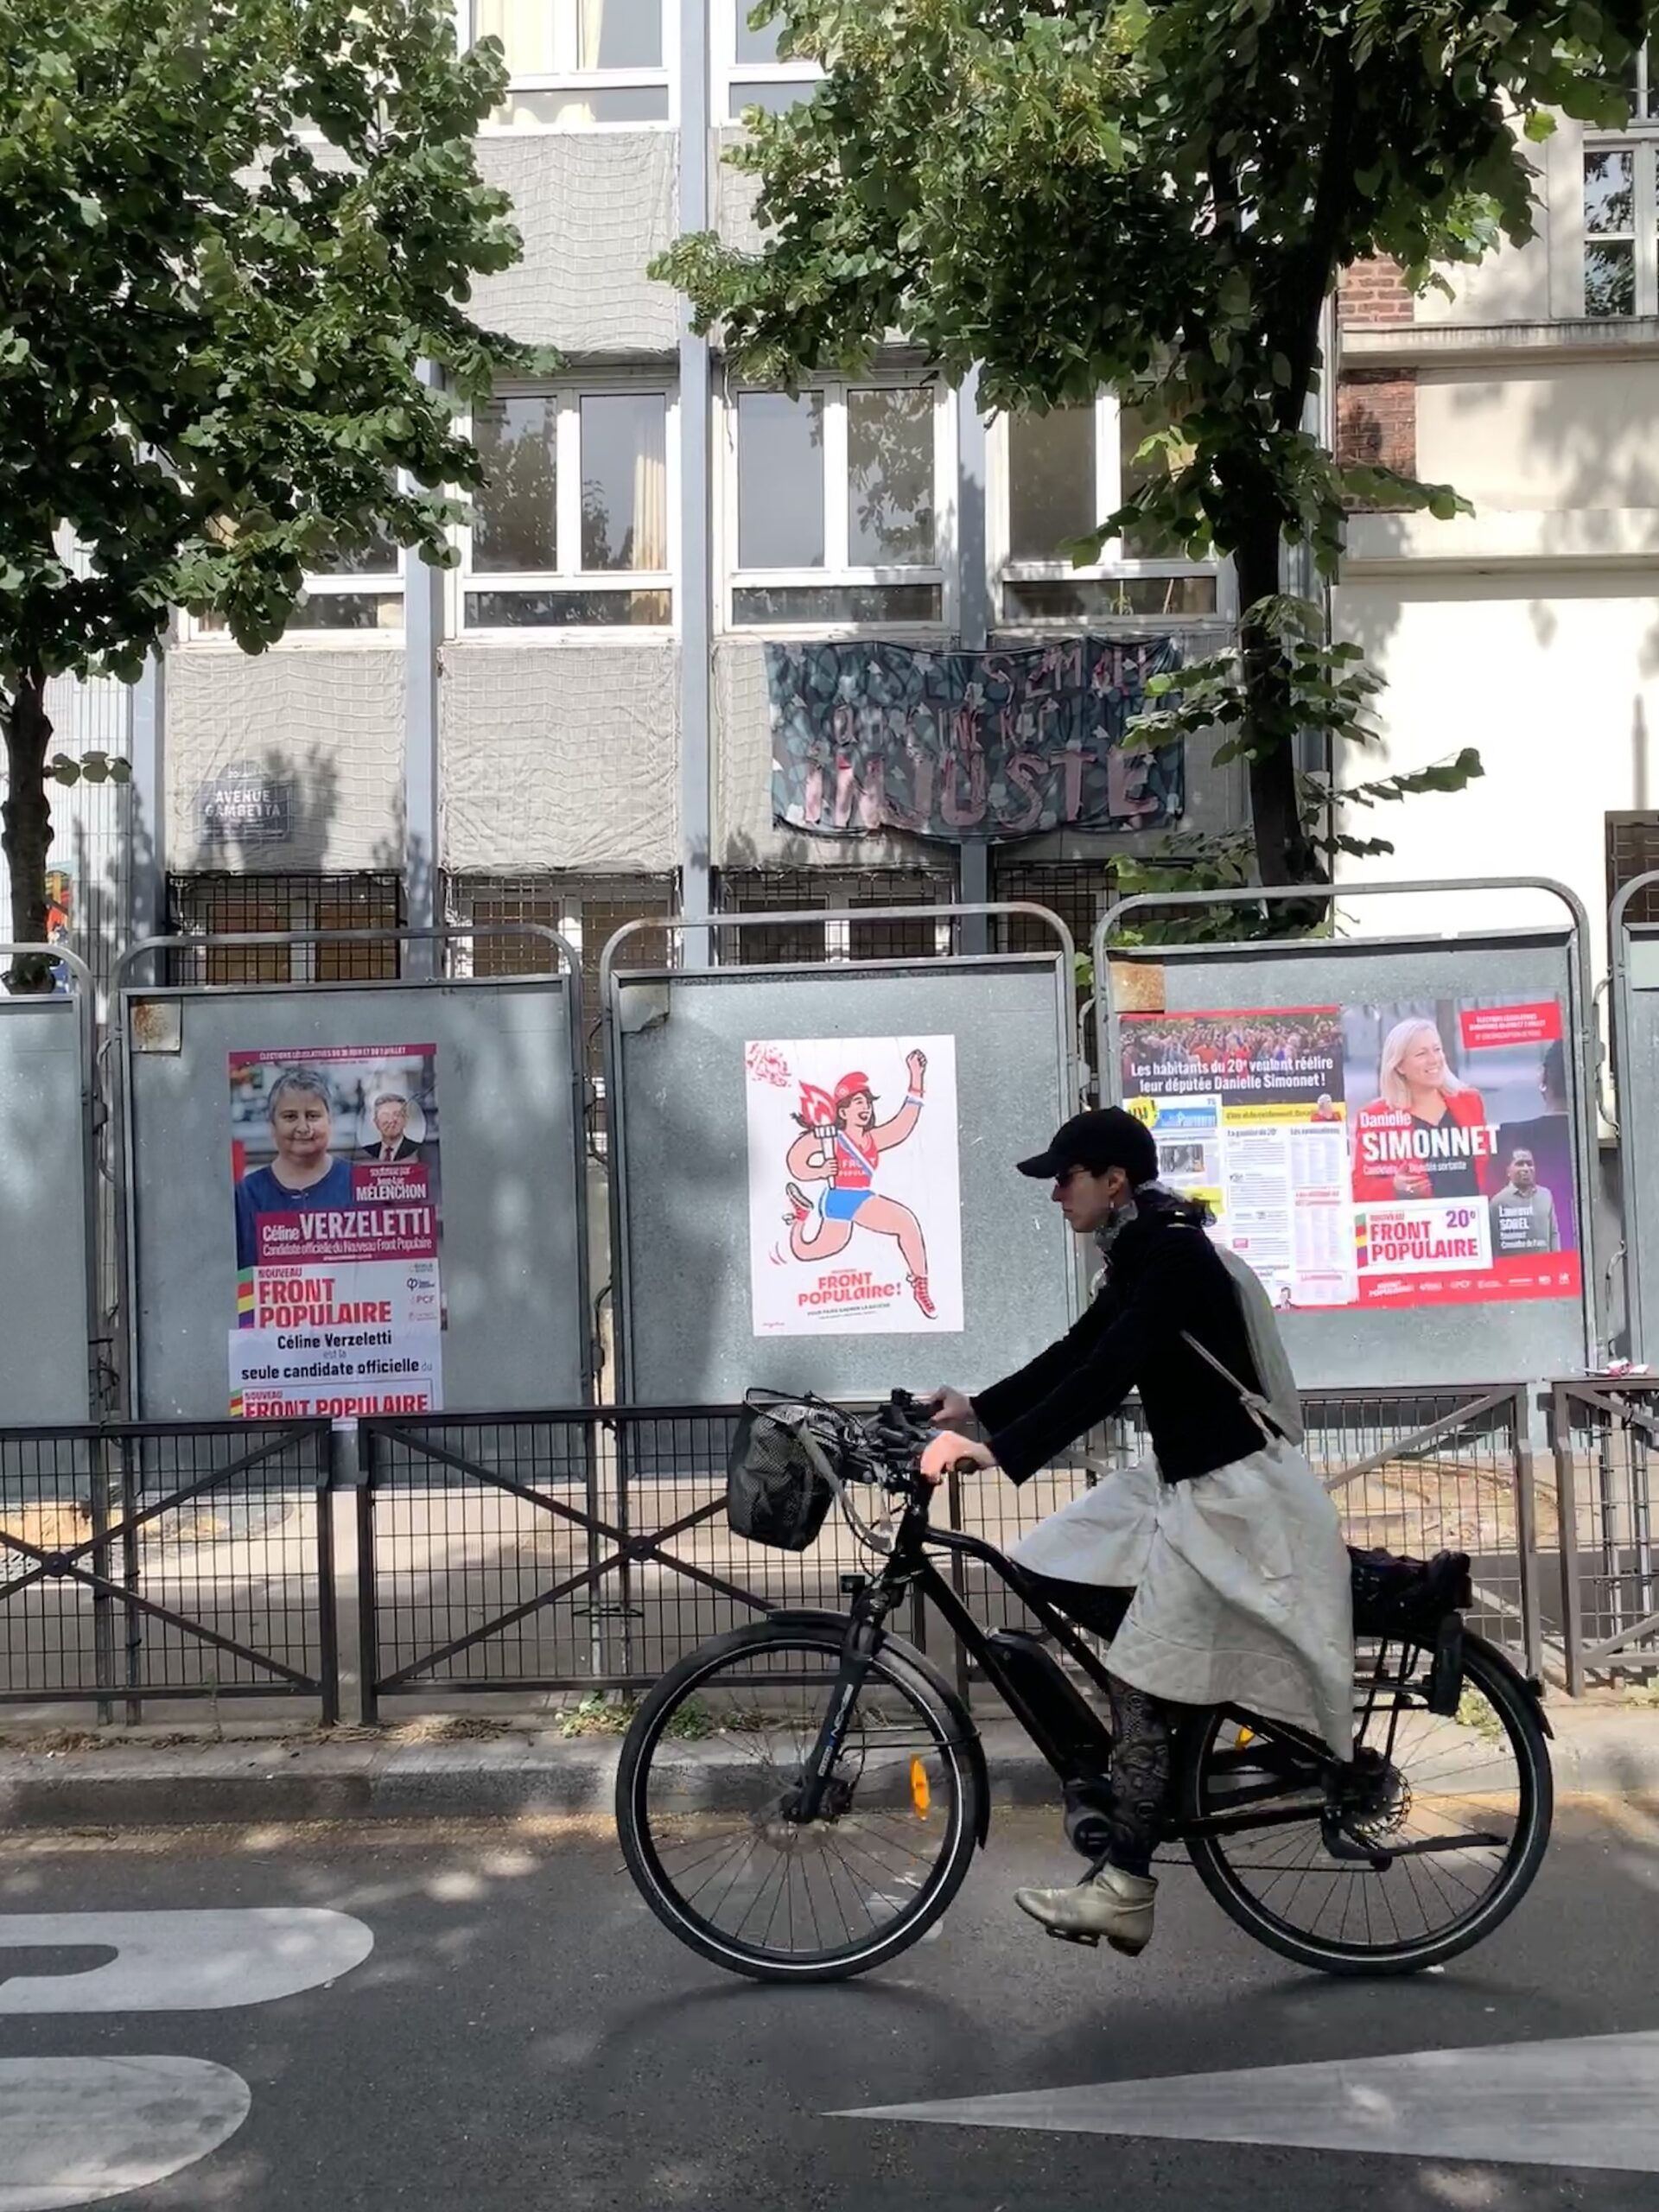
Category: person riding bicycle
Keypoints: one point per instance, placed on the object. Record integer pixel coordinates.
(1217, 1568)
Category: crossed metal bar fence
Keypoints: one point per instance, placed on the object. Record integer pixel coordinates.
(148, 1560)
(590, 1548)
(1605, 1437)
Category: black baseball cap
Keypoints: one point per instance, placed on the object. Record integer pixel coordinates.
(1103, 1137)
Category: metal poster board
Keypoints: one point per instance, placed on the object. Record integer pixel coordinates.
(353, 1199)
(1393, 1131)
(813, 1181)
(49, 1285)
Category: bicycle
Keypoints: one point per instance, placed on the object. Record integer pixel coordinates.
(800, 1800)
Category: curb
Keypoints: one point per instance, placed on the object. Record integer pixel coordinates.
(1596, 1752)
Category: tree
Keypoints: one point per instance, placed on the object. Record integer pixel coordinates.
(235, 231)
(1156, 199)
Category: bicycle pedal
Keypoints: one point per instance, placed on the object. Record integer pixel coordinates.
(1074, 1935)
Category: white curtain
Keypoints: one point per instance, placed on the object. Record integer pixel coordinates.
(650, 488)
(525, 30)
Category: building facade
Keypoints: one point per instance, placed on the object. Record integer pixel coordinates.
(572, 726)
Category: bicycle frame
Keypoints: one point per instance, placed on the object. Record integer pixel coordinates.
(910, 1569)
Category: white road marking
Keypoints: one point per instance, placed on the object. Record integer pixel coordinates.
(73, 2131)
(1590, 2101)
(181, 1961)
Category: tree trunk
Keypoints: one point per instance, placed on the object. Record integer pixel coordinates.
(28, 824)
(1284, 852)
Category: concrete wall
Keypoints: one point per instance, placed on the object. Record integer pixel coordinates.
(1554, 675)
(327, 723)
(558, 756)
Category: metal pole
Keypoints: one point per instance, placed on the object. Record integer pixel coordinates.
(423, 590)
(696, 583)
(146, 877)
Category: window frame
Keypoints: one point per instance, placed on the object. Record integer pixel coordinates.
(464, 581)
(729, 71)
(1004, 569)
(1638, 136)
(940, 573)
(573, 79)
(391, 584)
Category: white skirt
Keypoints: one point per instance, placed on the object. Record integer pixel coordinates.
(1241, 1585)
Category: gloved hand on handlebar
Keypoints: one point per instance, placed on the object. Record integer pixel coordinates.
(950, 1453)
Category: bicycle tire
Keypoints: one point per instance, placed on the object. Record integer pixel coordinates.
(1512, 1701)
(950, 1728)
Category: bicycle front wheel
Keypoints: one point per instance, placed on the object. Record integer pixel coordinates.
(704, 1804)
(1460, 1805)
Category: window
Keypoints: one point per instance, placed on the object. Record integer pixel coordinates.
(571, 530)
(838, 508)
(1632, 847)
(222, 905)
(577, 63)
(1062, 474)
(357, 592)
(1621, 204)
(795, 891)
(748, 70)
(587, 910)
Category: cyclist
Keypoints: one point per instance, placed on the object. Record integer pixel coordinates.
(1217, 1568)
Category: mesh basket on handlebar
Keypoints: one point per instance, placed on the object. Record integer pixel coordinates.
(777, 1486)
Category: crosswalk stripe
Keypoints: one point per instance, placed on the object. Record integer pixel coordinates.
(1590, 2101)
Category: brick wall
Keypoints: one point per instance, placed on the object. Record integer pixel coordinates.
(1376, 408)
(1377, 418)
(1373, 291)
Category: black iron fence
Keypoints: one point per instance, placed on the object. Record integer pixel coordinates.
(590, 1548)
(162, 1562)
(1605, 1437)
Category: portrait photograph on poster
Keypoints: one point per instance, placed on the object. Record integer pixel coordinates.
(1415, 1153)
(335, 1173)
(855, 1187)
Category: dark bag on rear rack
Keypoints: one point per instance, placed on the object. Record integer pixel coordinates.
(1415, 1601)
(778, 1473)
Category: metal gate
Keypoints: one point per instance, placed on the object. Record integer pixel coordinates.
(1605, 1438)
(140, 1561)
(580, 1549)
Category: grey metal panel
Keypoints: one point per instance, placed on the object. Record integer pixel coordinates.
(43, 1213)
(682, 1175)
(1523, 1339)
(512, 1260)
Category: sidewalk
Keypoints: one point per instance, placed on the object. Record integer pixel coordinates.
(459, 1769)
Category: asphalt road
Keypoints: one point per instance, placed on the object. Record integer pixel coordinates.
(522, 2034)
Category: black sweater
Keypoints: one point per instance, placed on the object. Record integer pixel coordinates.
(1164, 1276)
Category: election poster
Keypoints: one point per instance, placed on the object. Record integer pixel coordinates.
(1417, 1152)
(335, 1174)
(855, 1187)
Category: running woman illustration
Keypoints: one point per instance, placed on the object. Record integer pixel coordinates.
(839, 1149)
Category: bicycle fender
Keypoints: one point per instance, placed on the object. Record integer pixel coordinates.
(966, 1736)
(1529, 1684)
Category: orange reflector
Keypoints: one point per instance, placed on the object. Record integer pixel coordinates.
(1245, 1736)
(920, 1795)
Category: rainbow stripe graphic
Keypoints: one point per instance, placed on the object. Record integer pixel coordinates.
(244, 1299)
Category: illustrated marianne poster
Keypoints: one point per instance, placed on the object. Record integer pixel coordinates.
(335, 1162)
(1418, 1153)
(855, 1187)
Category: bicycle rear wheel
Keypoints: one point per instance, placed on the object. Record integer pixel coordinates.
(1462, 1804)
(702, 1792)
